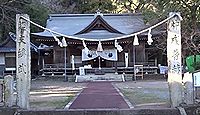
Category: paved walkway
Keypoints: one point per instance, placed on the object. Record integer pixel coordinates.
(99, 95)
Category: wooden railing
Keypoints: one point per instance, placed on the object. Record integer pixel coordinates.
(58, 69)
(9, 71)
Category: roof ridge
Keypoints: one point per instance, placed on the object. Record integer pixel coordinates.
(106, 14)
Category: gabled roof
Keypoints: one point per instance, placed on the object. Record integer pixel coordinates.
(98, 24)
(9, 45)
(83, 25)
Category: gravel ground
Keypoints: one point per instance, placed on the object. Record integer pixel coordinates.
(53, 93)
(147, 93)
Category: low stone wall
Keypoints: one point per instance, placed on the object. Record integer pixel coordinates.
(167, 111)
(129, 77)
(190, 110)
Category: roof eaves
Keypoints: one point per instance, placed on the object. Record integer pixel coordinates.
(4, 42)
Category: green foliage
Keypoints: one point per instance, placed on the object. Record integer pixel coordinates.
(90, 6)
(196, 65)
(9, 9)
(149, 15)
(189, 10)
(37, 13)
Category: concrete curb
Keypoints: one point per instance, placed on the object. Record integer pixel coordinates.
(70, 103)
(125, 99)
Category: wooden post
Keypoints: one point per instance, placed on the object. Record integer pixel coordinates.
(23, 60)
(156, 64)
(65, 57)
(9, 90)
(134, 58)
(174, 60)
(115, 64)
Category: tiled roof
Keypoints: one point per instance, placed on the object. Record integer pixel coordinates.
(7, 49)
(9, 45)
(70, 24)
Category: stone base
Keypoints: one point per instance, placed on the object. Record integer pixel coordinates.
(99, 72)
(92, 77)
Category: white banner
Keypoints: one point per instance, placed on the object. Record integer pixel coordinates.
(126, 60)
(86, 56)
(73, 65)
(105, 54)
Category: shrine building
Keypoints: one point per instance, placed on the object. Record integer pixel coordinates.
(97, 41)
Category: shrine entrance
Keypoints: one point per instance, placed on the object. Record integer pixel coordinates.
(99, 62)
(174, 61)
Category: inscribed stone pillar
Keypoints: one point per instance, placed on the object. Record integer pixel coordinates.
(23, 60)
(174, 60)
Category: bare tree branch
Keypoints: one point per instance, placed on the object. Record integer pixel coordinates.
(184, 2)
(3, 14)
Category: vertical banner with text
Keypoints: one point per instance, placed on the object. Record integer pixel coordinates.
(23, 60)
(174, 59)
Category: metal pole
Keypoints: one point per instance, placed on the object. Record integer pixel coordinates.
(66, 79)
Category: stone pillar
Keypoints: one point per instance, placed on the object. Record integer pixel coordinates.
(174, 60)
(188, 88)
(9, 90)
(1, 90)
(23, 60)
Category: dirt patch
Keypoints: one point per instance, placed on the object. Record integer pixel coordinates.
(53, 93)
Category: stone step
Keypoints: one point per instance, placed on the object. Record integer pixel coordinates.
(93, 77)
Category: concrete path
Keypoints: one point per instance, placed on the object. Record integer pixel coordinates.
(99, 95)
